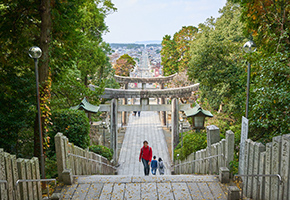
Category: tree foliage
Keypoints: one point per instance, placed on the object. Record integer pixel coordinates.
(192, 142)
(216, 61)
(169, 56)
(270, 110)
(268, 22)
(183, 38)
(124, 65)
(74, 56)
(74, 124)
(103, 151)
(175, 52)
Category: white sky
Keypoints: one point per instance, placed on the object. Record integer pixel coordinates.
(142, 20)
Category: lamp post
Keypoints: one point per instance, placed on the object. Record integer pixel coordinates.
(249, 47)
(181, 131)
(35, 53)
(104, 134)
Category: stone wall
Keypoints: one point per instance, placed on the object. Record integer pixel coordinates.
(274, 158)
(78, 160)
(11, 170)
(209, 160)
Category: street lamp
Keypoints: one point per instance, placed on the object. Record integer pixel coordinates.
(249, 47)
(35, 53)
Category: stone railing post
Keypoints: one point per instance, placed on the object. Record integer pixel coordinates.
(37, 176)
(3, 192)
(22, 175)
(285, 164)
(9, 178)
(258, 149)
(60, 154)
(213, 136)
(276, 162)
(250, 167)
(230, 145)
(262, 171)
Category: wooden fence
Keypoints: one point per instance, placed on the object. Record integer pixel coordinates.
(272, 159)
(13, 170)
(78, 160)
(209, 160)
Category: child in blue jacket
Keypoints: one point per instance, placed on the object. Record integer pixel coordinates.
(154, 165)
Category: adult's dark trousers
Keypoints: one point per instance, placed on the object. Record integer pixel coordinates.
(146, 166)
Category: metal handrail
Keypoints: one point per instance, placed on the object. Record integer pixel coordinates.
(258, 181)
(5, 182)
(200, 160)
(100, 162)
(32, 180)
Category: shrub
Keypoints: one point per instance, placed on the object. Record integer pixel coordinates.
(102, 150)
(192, 141)
(74, 124)
(51, 167)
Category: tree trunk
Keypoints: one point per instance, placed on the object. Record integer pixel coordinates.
(43, 67)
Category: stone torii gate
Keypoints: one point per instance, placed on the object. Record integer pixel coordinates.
(144, 95)
(159, 80)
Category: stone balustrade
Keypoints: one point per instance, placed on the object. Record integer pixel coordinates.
(12, 170)
(209, 160)
(270, 159)
(79, 161)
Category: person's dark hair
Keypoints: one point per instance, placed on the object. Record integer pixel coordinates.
(159, 159)
(145, 141)
(154, 157)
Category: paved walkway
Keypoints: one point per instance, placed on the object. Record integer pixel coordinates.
(146, 127)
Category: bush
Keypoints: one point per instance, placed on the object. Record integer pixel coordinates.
(74, 124)
(103, 151)
(51, 167)
(192, 141)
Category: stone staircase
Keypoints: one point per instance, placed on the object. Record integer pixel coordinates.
(144, 187)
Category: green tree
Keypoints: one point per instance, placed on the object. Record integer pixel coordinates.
(169, 56)
(74, 124)
(216, 61)
(75, 25)
(183, 38)
(270, 113)
(124, 65)
(268, 22)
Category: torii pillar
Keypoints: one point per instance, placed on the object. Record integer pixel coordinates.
(114, 129)
(162, 113)
(124, 114)
(175, 125)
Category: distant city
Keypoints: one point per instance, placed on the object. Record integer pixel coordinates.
(147, 57)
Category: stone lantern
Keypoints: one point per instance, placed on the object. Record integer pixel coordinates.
(198, 116)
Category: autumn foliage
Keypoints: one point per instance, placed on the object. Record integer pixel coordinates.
(124, 65)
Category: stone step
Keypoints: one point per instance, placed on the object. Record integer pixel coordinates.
(141, 187)
(145, 179)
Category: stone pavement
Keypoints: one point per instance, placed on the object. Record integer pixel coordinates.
(141, 187)
(146, 127)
